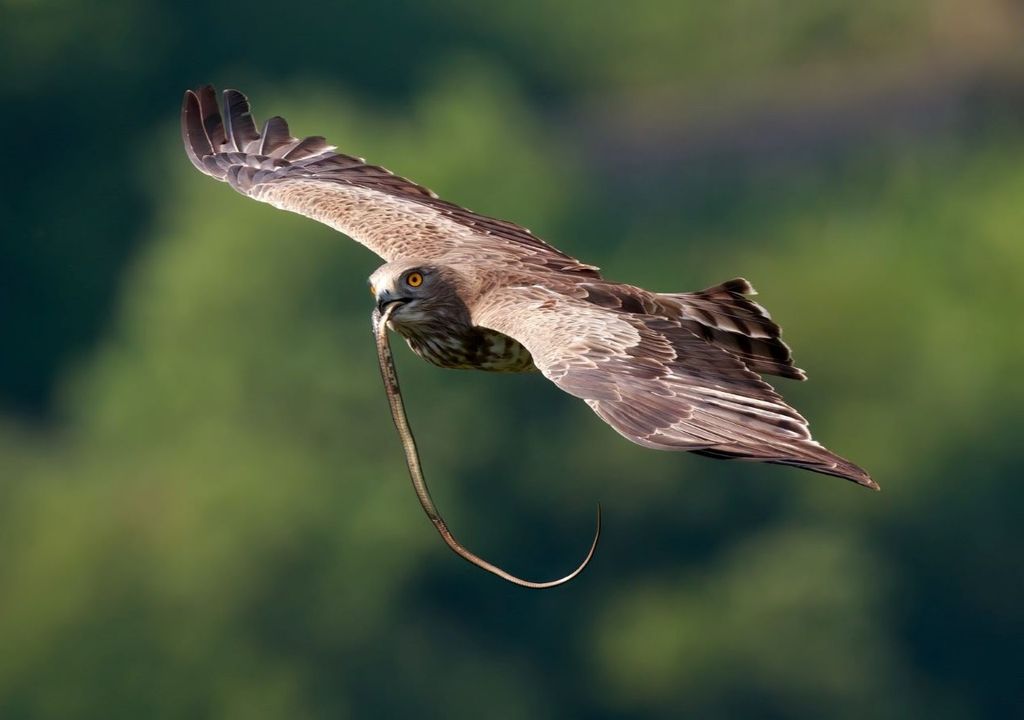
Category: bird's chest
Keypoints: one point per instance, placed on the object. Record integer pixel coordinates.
(468, 348)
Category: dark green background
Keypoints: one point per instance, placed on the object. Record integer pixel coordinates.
(203, 508)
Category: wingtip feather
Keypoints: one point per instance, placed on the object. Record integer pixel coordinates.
(241, 126)
(854, 473)
(193, 134)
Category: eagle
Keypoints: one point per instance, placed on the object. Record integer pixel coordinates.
(668, 371)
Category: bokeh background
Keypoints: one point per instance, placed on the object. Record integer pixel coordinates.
(204, 511)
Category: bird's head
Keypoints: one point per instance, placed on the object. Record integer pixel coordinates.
(424, 292)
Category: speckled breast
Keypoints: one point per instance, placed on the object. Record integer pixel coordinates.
(476, 349)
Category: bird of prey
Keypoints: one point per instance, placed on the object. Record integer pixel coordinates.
(669, 371)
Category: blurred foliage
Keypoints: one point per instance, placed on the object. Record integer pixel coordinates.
(203, 508)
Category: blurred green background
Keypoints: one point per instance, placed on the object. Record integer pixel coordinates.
(204, 511)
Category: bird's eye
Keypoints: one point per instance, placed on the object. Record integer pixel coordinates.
(414, 279)
(373, 291)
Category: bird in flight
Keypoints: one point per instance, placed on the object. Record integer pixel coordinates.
(668, 371)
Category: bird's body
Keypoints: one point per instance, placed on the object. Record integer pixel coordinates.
(468, 348)
(465, 347)
(676, 371)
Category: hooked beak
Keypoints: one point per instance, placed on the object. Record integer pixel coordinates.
(385, 298)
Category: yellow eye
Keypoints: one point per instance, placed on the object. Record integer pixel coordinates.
(373, 291)
(414, 279)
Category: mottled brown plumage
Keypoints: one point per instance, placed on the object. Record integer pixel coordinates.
(676, 371)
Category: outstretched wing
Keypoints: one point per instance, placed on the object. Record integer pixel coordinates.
(657, 383)
(392, 216)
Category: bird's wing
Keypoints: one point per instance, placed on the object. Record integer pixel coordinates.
(725, 316)
(392, 216)
(655, 382)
